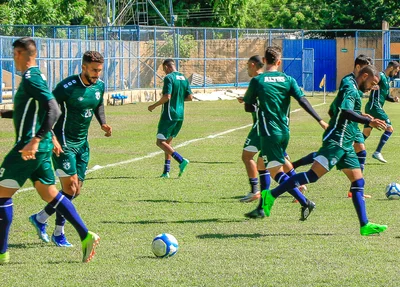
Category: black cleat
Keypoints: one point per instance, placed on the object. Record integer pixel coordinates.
(256, 213)
(306, 210)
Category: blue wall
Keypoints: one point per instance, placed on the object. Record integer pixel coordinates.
(324, 61)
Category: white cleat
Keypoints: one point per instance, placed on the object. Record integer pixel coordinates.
(379, 156)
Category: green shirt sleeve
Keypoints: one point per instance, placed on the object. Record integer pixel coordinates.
(167, 88)
(349, 99)
(60, 93)
(295, 89)
(250, 97)
(38, 89)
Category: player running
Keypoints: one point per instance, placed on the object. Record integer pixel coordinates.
(80, 97)
(176, 91)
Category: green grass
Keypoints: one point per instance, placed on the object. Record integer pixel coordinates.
(127, 205)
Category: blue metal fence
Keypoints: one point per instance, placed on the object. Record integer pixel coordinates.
(209, 57)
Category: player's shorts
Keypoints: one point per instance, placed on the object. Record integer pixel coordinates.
(273, 148)
(167, 129)
(379, 114)
(331, 154)
(253, 142)
(14, 171)
(359, 137)
(72, 161)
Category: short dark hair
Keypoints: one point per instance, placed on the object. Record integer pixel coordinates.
(362, 60)
(273, 54)
(257, 60)
(168, 62)
(92, 56)
(393, 64)
(370, 70)
(27, 44)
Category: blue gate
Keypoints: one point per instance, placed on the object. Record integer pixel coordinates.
(324, 61)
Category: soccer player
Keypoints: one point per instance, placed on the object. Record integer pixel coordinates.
(374, 107)
(175, 91)
(359, 146)
(272, 91)
(35, 112)
(252, 146)
(337, 149)
(80, 97)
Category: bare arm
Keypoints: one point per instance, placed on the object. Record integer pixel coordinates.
(165, 98)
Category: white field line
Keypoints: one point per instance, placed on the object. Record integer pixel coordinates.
(153, 154)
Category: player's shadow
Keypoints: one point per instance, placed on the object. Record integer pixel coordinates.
(65, 262)
(213, 162)
(161, 221)
(26, 245)
(173, 201)
(255, 235)
(115, 177)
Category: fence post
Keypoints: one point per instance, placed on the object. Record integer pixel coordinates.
(237, 58)
(155, 59)
(205, 58)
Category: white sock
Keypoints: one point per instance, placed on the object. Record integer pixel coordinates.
(42, 216)
(58, 230)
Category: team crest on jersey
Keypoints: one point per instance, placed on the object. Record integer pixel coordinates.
(333, 161)
(97, 95)
(66, 165)
(80, 99)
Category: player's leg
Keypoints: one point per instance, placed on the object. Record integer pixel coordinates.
(288, 168)
(167, 161)
(357, 187)
(359, 148)
(265, 177)
(250, 149)
(14, 171)
(384, 138)
(66, 169)
(306, 160)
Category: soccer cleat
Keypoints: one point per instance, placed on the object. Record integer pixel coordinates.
(372, 228)
(250, 197)
(268, 201)
(88, 246)
(256, 213)
(350, 195)
(165, 175)
(182, 166)
(306, 210)
(61, 240)
(40, 228)
(4, 258)
(379, 156)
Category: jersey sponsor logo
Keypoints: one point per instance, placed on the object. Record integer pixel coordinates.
(180, 77)
(274, 79)
(97, 95)
(66, 165)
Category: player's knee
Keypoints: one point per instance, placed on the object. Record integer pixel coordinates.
(390, 129)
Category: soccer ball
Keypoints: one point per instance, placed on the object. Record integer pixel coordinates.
(164, 245)
(392, 191)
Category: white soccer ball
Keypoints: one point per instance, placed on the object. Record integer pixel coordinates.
(392, 191)
(164, 245)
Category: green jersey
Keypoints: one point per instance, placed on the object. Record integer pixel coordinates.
(342, 132)
(176, 85)
(378, 97)
(272, 92)
(78, 103)
(29, 113)
(346, 79)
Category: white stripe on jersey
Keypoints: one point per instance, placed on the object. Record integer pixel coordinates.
(21, 126)
(63, 126)
(169, 111)
(35, 119)
(265, 124)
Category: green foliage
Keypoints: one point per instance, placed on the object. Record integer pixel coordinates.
(186, 43)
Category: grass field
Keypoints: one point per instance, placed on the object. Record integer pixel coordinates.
(127, 205)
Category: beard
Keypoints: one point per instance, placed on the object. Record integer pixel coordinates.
(363, 87)
(91, 80)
